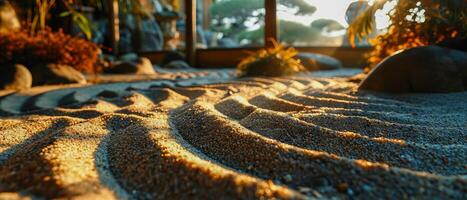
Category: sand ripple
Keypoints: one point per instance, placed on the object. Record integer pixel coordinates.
(277, 138)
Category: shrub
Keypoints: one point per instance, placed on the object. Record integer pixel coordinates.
(412, 24)
(48, 47)
(275, 61)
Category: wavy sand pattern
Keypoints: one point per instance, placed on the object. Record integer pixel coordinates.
(191, 137)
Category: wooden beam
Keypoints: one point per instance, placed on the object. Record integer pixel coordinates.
(222, 58)
(114, 25)
(190, 39)
(206, 17)
(271, 27)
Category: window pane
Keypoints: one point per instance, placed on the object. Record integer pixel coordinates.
(320, 22)
(230, 23)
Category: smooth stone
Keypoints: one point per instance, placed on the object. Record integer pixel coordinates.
(172, 56)
(15, 77)
(141, 66)
(177, 64)
(8, 19)
(51, 74)
(429, 69)
(314, 62)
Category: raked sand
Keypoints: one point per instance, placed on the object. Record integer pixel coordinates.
(206, 135)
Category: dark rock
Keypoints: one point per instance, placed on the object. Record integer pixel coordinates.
(8, 18)
(51, 74)
(151, 37)
(131, 57)
(177, 64)
(109, 94)
(108, 57)
(457, 44)
(140, 33)
(72, 98)
(142, 66)
(314, 62)
(420, 69)
(172, 56)
(15, 77)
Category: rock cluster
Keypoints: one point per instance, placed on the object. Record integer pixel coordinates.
(130, 64)
(20, 77)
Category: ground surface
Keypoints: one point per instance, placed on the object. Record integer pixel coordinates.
(181, 137)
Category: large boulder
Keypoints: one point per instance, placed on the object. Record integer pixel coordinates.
(314, 62)
(421, 69)
(454, 43)
(8, 19)
(15, 77)
(51, 74)
(142, 66)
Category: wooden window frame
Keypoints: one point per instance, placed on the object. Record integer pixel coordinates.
(230, 57)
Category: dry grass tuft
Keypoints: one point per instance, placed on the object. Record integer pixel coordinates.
(275, 61)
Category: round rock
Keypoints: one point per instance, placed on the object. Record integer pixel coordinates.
(142, 66)
(177, 64)
(429, 69)
(172, 56)
(15, 77)
(51, 74)
(314, 62)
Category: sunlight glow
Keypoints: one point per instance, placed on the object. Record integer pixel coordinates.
(335, 10)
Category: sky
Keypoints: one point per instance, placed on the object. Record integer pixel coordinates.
(332, 9)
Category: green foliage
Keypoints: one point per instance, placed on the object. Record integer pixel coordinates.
(294, 32)
(41, 10)
(240, 8)
(413, 23)
(327, 24)
(303, 8)
(39, 21)
(81, 20)
(238, 12)
(275, 61)
(255, 36)
(41, 14)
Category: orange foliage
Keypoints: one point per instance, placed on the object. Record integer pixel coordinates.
(440, 21)
(413, 23)
(48, 47)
